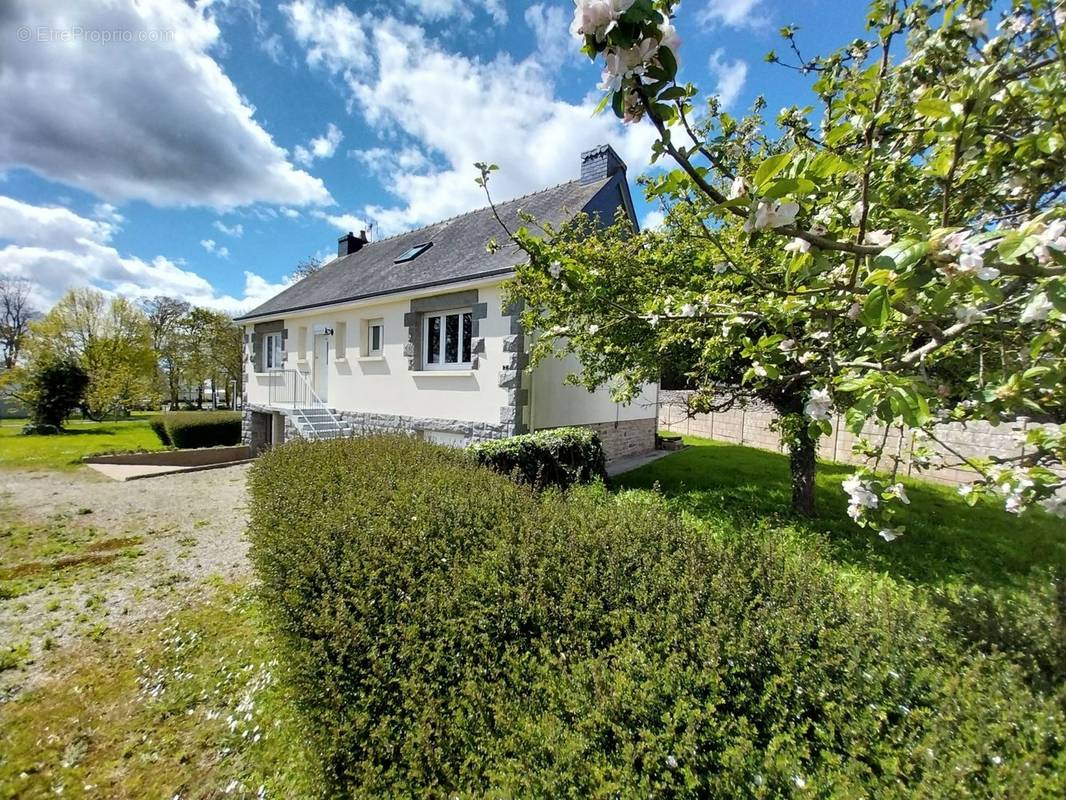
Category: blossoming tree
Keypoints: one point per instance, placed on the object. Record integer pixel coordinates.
(893, 248)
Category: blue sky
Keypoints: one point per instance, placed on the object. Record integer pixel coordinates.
(210, 146)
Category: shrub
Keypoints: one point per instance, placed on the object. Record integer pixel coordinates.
(203, 428)
(446, 631)
(57, 388)
(159, 428)
(557, 457)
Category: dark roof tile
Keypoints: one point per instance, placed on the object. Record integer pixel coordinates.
(458, 253)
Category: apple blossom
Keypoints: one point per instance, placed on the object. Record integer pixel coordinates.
(739, 188)
(798, 245)
(890, 534)
(1037, 309)
(772, 214)
(819, 405)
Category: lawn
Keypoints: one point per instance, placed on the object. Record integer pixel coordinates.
(80, 439)
(946, 542)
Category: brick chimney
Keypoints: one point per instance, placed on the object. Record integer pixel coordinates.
(350, 243)
(600, 163)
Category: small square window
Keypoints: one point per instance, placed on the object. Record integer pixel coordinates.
(413, 253)
(375, 337)
(274, 350)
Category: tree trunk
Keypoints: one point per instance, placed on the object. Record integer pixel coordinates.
(802, 464)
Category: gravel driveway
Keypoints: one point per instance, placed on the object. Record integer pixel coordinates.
(88, 554)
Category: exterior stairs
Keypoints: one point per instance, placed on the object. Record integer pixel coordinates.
(320, 422)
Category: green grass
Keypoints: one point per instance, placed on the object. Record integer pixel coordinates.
(947, 542)
(186, 707)
(80, 439)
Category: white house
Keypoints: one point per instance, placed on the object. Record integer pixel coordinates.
(410, 334)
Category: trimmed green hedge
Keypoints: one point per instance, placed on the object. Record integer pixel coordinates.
(448, 632)
(190, 429)
(159, 428)
(557, 457)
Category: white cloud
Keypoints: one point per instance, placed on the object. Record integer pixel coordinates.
(734, 13)
(291, 213)
(323, 146)
(342, 222)
(210, 246)
(156, 120)
(551, 29)
(652, 220)
(441, 9)
(333, 36)
(457, 110)
(108, 213)
(236, 231)
(730, 76)
(57, 249)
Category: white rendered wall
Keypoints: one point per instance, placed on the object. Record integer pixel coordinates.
(555, 403)
(384, 384)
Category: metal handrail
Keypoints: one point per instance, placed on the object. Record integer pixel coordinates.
(290, 387)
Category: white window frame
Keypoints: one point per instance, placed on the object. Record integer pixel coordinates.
(273, 351)
(443, 365)
(379, 323)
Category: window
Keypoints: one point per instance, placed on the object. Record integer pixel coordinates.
(375, 337)
(273, 348)
(446, 340)
(413, 253)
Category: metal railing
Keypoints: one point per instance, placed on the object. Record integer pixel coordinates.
(290, 388)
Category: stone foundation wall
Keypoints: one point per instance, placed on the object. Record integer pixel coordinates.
(751, 427)
(367, 422)
(626, 438)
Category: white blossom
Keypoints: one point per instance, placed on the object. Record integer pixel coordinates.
(969, 314)
(739, 188)
(861, 496)
(671, 762)
(854, 310)
(772, 214)
(594, 329)
(758, 369)
(975, 27)
(721, 268)
(890, 534)
(653, 319)
(555, 270)
(787, 346)
(688, 310)
(818, 405)
(669, 38)
(879, 238)
(597, 17)
(818, 229)
(1053, 236)
(1037, 309)
(799, 781)
(856, 213)
(1056, 503)
(965, 490)
(798, 245)
(899, 491)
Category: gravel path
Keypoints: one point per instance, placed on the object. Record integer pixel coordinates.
(186, 529)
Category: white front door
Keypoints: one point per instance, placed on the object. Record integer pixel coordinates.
(321, 371)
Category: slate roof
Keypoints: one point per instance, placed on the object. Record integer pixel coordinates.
(458, 253)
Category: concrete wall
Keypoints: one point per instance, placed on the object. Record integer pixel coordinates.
(751, 427)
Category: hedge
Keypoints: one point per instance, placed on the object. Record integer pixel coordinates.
(159, 428)
(191, 429)
(445, 632)
(559, 457)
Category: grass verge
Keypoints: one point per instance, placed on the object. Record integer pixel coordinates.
(80, 439)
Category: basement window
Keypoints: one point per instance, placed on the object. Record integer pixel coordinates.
(413, 253)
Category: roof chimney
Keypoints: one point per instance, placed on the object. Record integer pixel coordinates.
(350, 243)
(600, 163)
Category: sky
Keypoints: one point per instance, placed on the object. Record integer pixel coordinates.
(203, 149)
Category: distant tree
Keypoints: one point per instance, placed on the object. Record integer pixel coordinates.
(110, 339)
(214, 350)
(309, 266)
(168, 320)
(16, 311)
(55, 390)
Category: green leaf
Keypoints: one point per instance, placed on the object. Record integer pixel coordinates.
(902, 255)
(673, 93)
(838, 133)
(797, 187)
(917, 221)
(876, 309)
(602, 104)
(771, 167)
(934, 107)
(826, 165)
(618, 104)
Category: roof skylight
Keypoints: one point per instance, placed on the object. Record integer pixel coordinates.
(413, 253)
